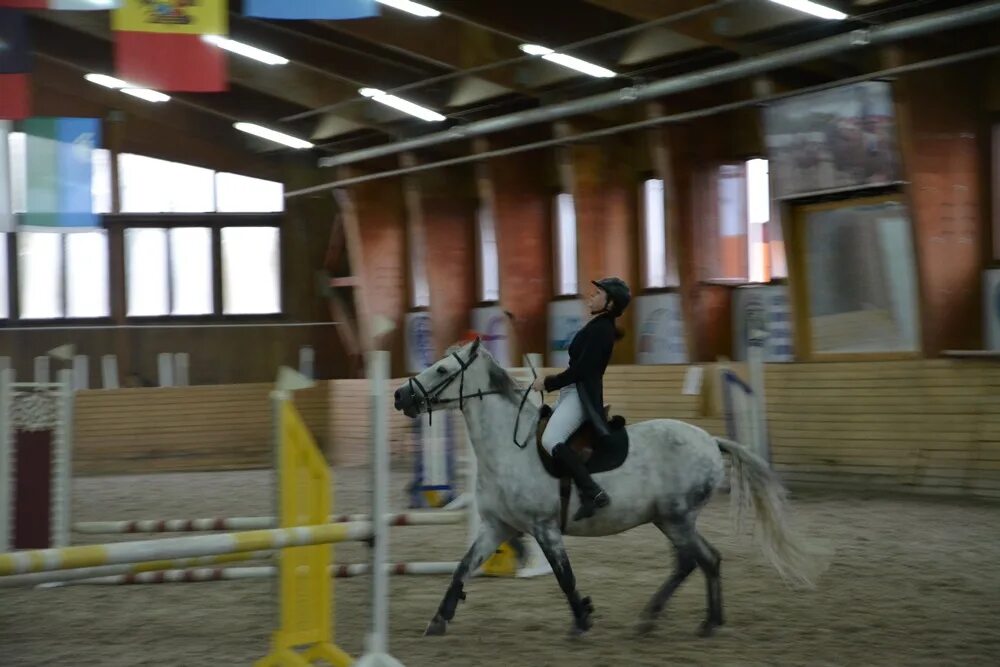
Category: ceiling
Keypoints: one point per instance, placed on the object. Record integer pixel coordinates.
(466, 64)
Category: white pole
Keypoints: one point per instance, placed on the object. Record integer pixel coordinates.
(6, 452)
(376, 645)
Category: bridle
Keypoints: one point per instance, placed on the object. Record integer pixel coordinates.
(432, 396)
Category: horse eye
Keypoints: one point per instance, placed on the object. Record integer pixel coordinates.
(441, 370)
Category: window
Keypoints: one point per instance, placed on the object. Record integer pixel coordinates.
(242, 194)
(860, 278)
(565, 233)
(149, 185)
(758, 213)
(169, 271)
(489, 261)
(654, 225)
(39, 258)
(87, 288)
(146, 272)
(100, 183)
(191, 271)
(4, 287)
(741, 242)
(251, 270)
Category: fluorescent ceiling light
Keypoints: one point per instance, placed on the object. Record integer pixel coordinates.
(245, 50)
(125, 87)
(813, 8)
(105, 80)
(411, 7)
(568, 61)
(146, 94)
(401, 105)
(272, 135)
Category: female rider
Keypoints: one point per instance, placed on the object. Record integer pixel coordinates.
(580, 386)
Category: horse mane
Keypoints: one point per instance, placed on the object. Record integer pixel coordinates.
(504, 382)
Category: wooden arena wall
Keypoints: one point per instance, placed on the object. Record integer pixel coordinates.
(927, 425)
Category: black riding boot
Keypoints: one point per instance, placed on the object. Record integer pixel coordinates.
(592, 496)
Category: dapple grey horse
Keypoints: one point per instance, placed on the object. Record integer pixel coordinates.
(670, 473)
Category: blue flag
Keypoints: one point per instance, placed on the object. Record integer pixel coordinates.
(60, 172)
(310, 9)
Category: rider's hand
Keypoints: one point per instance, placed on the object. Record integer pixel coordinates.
(538, 384)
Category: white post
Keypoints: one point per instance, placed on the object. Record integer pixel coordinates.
(42, 369)
(62, 462)
(376, 644)
(307, 361)
(165, 363)
(6, 451)
(109, 371)
(755, 370)
(472, 507)
(182, 365)
(81, 372)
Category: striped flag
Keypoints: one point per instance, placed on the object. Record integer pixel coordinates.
(15, 64)
(310, 9)
(59, 171)
(76, 5)
(159, 45)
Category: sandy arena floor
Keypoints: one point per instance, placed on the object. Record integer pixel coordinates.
(913, 582)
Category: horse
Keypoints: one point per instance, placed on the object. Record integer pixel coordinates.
(669, 474)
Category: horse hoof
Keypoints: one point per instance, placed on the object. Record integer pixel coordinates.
(645, 626)
(707, 629)
(578, 630)
(436, 628)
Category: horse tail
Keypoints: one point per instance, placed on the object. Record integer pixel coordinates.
(754, 484)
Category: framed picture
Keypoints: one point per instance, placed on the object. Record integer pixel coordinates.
(833, 140)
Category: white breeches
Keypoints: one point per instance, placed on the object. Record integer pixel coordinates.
(567, 416)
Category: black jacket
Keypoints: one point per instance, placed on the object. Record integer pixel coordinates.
(589, 354)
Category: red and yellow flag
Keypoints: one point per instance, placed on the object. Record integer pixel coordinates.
(159, 45)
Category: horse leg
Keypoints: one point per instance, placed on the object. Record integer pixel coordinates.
(550, 540)
(491, 535)
(710, 562)
(686, 561)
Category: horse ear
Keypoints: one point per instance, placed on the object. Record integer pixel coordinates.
(475, 344)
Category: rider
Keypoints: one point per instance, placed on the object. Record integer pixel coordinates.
(581, 392)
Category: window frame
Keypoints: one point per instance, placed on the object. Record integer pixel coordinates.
(14, 284)
(215, 222)
(799, 276)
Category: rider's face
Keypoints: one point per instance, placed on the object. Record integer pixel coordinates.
(597, 299)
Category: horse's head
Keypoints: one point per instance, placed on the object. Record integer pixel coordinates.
(460, 375)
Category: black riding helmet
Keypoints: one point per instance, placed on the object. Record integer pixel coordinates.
(618, 293)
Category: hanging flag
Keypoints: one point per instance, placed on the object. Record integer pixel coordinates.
(60, 172)
(75, 5)
(159, 45)
(6, 183)
(310, 9)
(15, 64)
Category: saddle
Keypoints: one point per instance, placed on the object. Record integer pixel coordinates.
(597, 455)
